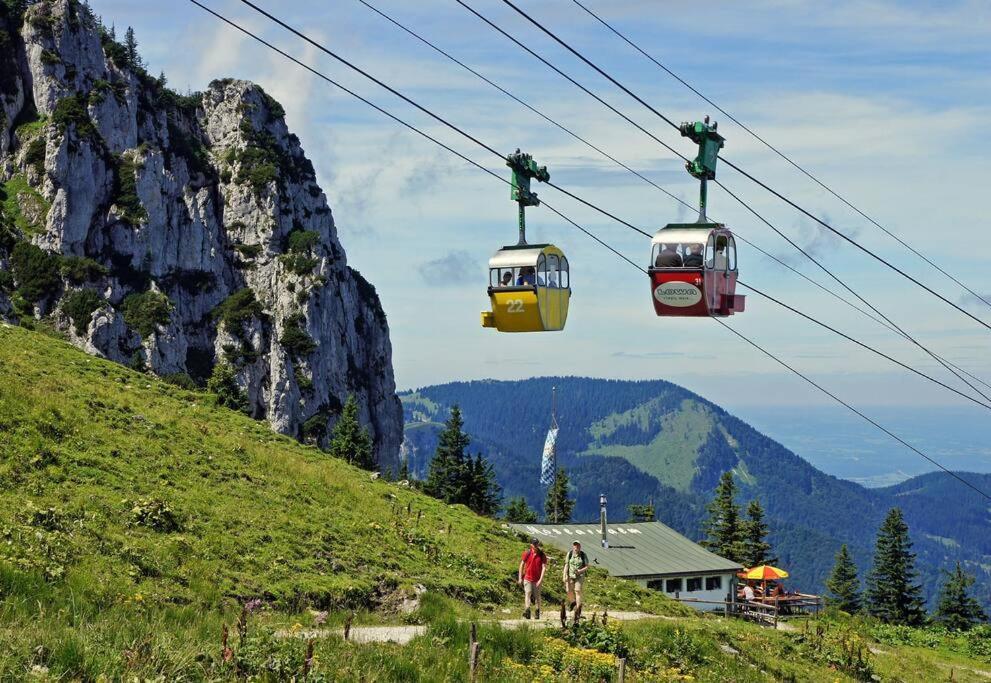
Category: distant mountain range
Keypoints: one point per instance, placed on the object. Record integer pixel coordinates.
(653, 440)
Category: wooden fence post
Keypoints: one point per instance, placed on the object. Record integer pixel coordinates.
(473, 634)
(473, 661)
(621, 675)
(347, 626)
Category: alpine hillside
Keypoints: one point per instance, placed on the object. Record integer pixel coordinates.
(182, 234)
(653, 440)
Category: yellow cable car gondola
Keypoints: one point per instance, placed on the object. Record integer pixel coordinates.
(529, 284)
(529, 288)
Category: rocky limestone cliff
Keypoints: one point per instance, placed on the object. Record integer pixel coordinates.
(182, 234)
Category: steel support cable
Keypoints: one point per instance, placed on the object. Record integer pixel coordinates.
(574, 82)
(434, 115)
(876, 257)
(500, 178)
(778, 152)
(744, 173)
(438, 118)
(403, 123)
(423, 109)
(605, 154)
(851, 408)
(666, 146)
(840, 282)
(861, 344)
(520, 101)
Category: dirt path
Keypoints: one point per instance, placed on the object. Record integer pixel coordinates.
(404, 633)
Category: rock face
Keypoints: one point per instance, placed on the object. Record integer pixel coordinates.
(183, 234)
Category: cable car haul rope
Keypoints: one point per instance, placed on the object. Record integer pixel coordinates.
(534, 279)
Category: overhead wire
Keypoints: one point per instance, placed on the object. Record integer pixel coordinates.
(736, 197)
(949, 367)
(737, 168)
(515, 98)
(489, 148)
(602, 242)
(774, 149)
(859, 343)
(852, 408)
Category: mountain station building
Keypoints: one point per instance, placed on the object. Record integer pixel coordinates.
(651, 554)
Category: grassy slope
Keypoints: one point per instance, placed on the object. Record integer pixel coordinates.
(669, 456)
(87, 444)
(85, 589)
(93, 457)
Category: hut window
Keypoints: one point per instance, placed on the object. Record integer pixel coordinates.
(672, 586)
(694, 584)
(713, 583)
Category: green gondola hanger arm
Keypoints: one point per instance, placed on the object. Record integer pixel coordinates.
(703, 166)
(524, 169)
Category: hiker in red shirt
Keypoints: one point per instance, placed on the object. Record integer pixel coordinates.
(533, 564)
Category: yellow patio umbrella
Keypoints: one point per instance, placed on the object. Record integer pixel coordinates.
(765, 572)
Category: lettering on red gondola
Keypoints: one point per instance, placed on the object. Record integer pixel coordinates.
(678, 294)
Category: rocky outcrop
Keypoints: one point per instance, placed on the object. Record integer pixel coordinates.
(182, 234)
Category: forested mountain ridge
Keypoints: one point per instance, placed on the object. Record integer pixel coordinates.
(643, 440)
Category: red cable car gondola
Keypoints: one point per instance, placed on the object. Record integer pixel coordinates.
(693, 267)
(693, 270)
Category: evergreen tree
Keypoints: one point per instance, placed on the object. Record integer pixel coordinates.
(518, 512)
(843, 583)
(557, 506)
(892, 594)
(350, 441)
(957, 610)
(131, 49)
(404, 470)
(641, 513)
(753, 530)
(445, 478)
(723, 530)
(482, 494)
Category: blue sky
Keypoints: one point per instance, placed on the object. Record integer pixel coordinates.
(885, 101)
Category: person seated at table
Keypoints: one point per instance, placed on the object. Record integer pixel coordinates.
(748, 593)
(778, 591)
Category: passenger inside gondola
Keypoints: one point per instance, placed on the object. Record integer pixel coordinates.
(668, 257)
(721, 254)
(693, 257)
(507, 279)
(528, 276)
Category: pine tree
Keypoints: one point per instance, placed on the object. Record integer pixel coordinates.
(641, 513)
(843, 583)
(482, 494)
(350, 441)
(753, 530)
(557, 506)
(404, 470)
(518, 512)
(445, 478)
(131, 49)
(957, 610)
(723, 529)
(892, 594)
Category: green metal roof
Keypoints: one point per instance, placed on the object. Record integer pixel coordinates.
(644, 549)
